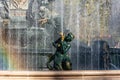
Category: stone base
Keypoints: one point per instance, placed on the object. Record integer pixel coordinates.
(60, 75)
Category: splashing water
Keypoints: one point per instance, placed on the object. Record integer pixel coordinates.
(86, 19)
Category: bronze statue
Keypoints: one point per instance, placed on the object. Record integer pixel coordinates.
(61, 58)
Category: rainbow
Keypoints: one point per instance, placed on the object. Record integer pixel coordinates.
(10, 59)
(3, 59)
(7, 63)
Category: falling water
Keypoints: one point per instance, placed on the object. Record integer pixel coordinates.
(18, 44)
(69, 22)
(9, 50)
(91, 66)
(62, 15)
(85, 36)
(98, 26)
(77, 33)
(114, 29)
(77, 21)
(36, 33)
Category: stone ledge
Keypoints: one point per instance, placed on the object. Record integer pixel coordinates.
(60, 75)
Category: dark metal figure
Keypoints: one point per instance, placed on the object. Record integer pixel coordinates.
(60, 58)
(105, 57)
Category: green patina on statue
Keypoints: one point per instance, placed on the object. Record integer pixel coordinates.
(61, 58)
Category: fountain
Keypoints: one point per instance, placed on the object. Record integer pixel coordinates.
(30, 30)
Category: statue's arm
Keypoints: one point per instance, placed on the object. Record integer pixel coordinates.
(57, 43)
(65, 49)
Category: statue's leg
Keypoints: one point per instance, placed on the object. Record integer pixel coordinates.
(58, 62)
(51, 58)
(66, 63)
(58, 66)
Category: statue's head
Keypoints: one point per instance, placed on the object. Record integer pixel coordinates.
(69, 37)
(105, 46)
(50, 4)
(42, 8)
